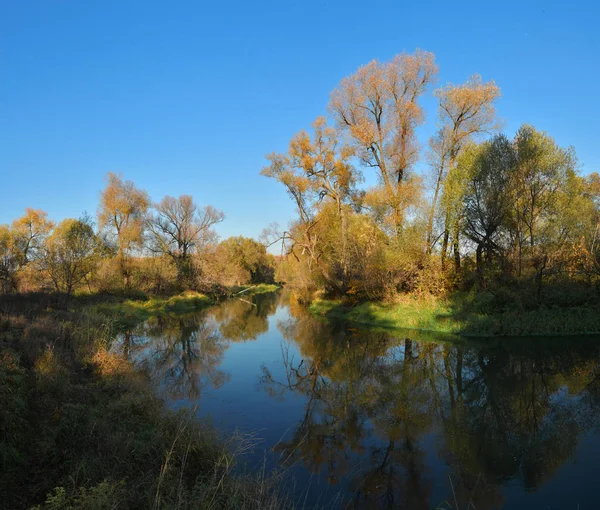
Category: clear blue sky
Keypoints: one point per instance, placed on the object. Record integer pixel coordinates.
(188, 96)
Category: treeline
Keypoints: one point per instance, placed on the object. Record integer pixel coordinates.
(493, 212)
(134, 245)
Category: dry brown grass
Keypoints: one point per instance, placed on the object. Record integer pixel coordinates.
(80, 428)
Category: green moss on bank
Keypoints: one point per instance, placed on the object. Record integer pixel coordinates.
(464, 314)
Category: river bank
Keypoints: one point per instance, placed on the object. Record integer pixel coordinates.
(336, 406)
(80, 428)
(463, 314)
(128, 311)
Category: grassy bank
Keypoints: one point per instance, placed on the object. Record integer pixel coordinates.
(79, 428)
(127, 311)
(464, 314)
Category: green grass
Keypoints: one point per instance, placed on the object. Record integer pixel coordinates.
(130, 312)
(464, 314)
(126, 313)
(430, 315)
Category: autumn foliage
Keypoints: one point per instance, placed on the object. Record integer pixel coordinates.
(512, 213)
(493, 211)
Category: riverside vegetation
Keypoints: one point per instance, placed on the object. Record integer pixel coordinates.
(82, 429)
(498, 236)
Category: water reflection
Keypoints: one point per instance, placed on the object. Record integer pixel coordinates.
(244, 319)
(514, 411)
(185, 352)
(392, 422)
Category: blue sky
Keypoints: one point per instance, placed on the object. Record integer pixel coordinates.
(188, 96)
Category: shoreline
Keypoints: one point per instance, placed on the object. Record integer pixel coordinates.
(442, 316)
(66, 396)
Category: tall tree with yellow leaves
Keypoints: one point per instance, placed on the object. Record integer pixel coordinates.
(378, 109)
(317, 169)
(121, 215)
(464, 111)
(29, 233)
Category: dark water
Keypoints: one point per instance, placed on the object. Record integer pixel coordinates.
(364, 419)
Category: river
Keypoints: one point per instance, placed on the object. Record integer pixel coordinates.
(368, 419)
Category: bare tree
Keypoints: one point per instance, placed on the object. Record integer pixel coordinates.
(180, 228)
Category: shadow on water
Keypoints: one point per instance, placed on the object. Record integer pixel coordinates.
(392, 422)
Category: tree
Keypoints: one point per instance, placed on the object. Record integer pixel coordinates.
(29, 232)
(316, 171)
(593, 238)
(454, 191)
(487, 201)
(378, 109)
(571, 239)
(464, 111)
(180, 228)
(250, 256)
(121, 215)
(71, 254)
(543, 168)
(21, 243)
(9, 259)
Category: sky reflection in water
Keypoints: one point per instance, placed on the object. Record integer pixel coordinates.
(372, 420)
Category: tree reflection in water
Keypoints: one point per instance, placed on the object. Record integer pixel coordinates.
(498, 412)
(390, 422)
(185, 351)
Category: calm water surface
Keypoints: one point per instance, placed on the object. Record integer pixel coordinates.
(364, 419)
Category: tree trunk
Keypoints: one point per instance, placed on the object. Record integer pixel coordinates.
(445, 245)
(344, 226)
(540, 276)
(520, 263)
(456, 245)
(438, 185)
(124, 269)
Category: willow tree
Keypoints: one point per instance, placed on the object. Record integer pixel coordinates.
(121, 215)
(315, 170)
(9, 260)
(487, 200)
(70, 254)
(464, 111)
(250, 256)
(181, 228)
(378, 109)
(543, 169)
(29, 233)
